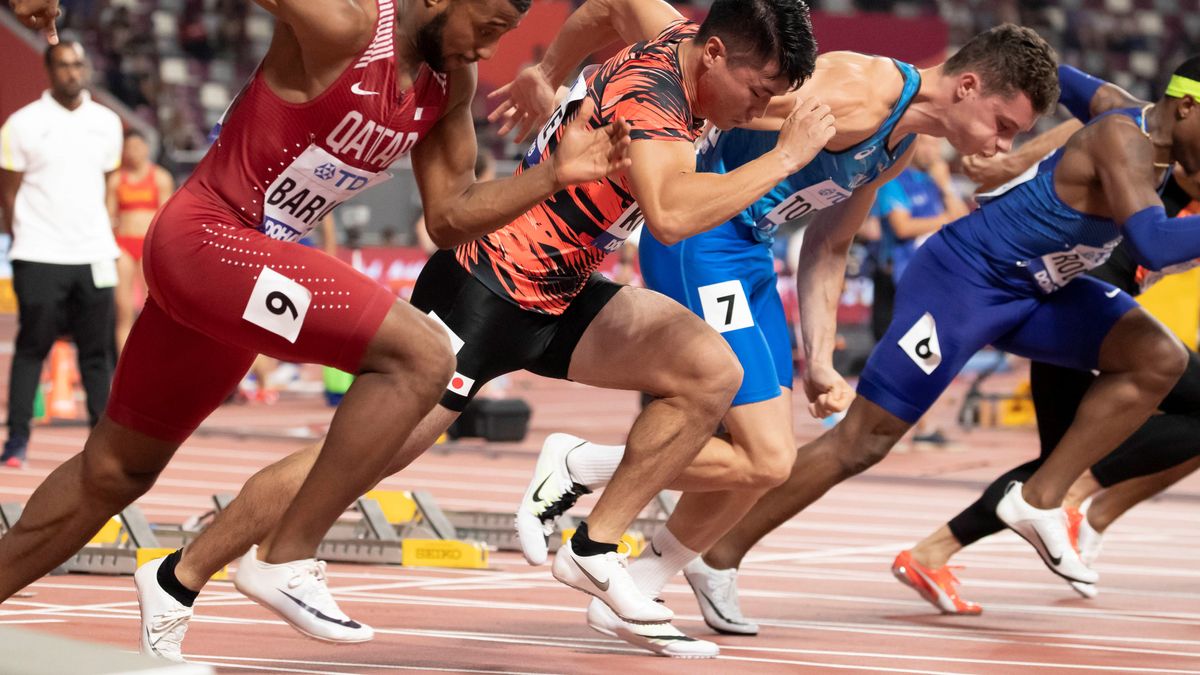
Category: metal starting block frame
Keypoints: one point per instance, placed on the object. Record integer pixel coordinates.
(134, 539)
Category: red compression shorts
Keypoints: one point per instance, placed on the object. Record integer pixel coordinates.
(221, 293)
(131, 245)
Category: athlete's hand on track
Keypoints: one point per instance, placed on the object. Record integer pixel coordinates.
(525, 103)
(38, 15)
(585, 154)
(827, 391)
(805, 132)
(989, 172)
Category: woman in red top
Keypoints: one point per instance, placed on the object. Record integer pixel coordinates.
(134, 194)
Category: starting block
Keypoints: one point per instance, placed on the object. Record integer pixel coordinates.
(395, 527)
(444, 553)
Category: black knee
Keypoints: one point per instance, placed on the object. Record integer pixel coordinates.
(115, 482)
(1163, 360)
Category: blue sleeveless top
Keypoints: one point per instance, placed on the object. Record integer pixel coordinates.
(823, 182)
(1028, 239)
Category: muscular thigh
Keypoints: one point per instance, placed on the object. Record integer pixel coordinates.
(730, 283)
(241, 287)
(644, 341)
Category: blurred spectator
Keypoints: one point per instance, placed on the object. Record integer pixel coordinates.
(56, 157)
(135, 193)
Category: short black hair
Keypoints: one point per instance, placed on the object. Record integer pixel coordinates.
(49, 53)
(766, 30)
(1190, 68)
(1011, 59)
(134, 132)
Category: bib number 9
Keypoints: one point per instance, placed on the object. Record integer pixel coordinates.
(278, 304)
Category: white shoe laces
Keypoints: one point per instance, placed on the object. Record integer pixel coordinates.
(174, 623)
(721, 582)
(311, 573)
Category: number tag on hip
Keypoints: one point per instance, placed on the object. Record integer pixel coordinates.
(278, 304)
(725, 306)
(921, 344)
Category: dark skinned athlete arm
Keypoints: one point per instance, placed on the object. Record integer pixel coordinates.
(330, 30)
(458, 209)
(1124, 162)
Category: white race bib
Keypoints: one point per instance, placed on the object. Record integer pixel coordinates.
(616, 234)
(1055, 270)
(799, 204)
(538, 148)
(309, 188)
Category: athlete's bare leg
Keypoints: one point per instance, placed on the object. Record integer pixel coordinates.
(1085, 486)
(731, 473)
(266, 496)
(403, 373)
(859, 441)
(117, 466)
(1116, 500)
(937, 549)
(128, 270)
(643, 341)
(1140, 361)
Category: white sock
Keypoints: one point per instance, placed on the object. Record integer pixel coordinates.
(660, 561)
(593, 465)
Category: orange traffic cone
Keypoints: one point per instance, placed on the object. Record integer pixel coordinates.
(60, 399)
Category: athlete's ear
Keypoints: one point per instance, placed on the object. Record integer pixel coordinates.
(969, 85)
(432, 4)
(714, 49)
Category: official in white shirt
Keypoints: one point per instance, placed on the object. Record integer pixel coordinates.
(55, 155)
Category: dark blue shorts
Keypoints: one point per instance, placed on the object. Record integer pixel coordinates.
(947, 309)
(728, 279)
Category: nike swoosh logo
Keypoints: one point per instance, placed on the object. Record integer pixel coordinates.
(1056, 561)
(599, 584)
(1113, 293)
(348, 623)
(357, 89)
(714, 608)
(656, 551)
(150, 639)
(537, 492)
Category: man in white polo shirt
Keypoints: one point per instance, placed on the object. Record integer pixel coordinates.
(55, 154)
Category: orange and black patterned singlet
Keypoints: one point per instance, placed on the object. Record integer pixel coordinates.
(541, 260)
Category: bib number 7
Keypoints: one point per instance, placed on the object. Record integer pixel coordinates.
(725, 306)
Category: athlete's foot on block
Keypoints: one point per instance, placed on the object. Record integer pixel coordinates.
(551, 492)
(663, 638)
(164, 619)
(296, 591)
(717, 594)
(938, 586)
(606, 577)
(1046, 531)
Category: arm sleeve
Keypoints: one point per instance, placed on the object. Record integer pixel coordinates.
(12, 155)
(1077, 89)
(1157, 241)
